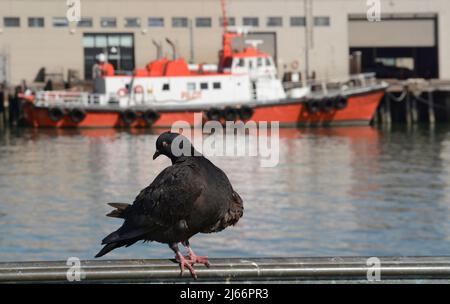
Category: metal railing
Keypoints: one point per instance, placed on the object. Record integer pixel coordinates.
(314, 269)
(324, 86)
(67, 98)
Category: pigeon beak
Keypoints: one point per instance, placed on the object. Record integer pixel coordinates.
(157, 153)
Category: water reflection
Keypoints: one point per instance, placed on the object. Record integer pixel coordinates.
(341, 191)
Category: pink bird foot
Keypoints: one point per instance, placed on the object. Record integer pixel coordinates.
(193, 258)
(185, 263)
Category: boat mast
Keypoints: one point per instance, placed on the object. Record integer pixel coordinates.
(224, 15)
(227, 38)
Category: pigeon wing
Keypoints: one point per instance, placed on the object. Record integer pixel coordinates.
(171, 196)
(162, 205)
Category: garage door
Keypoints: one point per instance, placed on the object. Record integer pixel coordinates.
(392, 33)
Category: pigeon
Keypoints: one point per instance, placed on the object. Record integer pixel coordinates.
(191, 196)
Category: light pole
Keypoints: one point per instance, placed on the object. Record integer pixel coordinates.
(191, 41)
(308, 33)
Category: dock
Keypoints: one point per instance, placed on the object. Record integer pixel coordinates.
(235, 270)
(415, 101)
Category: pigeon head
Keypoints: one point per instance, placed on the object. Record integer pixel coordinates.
(173, 145)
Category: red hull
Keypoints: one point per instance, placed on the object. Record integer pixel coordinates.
(360, 110)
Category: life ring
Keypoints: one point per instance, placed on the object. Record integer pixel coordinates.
(77, 115)
(327, 105)
(55, 114)
(150, 117)
(129, 116)
(340, 102)
(213, 114)
(295, 64)
(313, 106)
(245, 112)
(230, 114)
(138, 93)
(138, 89)
(122, 92)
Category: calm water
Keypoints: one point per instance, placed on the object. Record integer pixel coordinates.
(343, 191)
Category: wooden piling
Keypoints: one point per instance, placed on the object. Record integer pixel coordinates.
(414, 111)
(387, 118)
(408, 109)
(431, 116)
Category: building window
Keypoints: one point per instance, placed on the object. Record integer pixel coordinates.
(166, 87)
(118, 48)
(60, 22)
(179, 22)
(11, 22)
(156, 22)
(322, 21)
(298, 21)
(275, 21)
(204, 85)
(108, 22)
(35, 22)
(231, 21)
(203, 22)
(250, 21)
(132, 22)
(85, 22)
(217, 85)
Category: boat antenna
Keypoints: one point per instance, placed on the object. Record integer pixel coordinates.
(224, 15)
(158, 49)
(174, 49)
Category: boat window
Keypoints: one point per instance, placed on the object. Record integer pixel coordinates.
(250, 64)
(166, 87)
(259, 62)
(204, 85)
(241, 62)
(191, 86)
(217, 85)
(268, 63)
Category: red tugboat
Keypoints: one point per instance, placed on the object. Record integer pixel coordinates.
(243, 87)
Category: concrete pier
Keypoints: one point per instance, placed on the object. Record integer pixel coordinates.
(293, 270)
